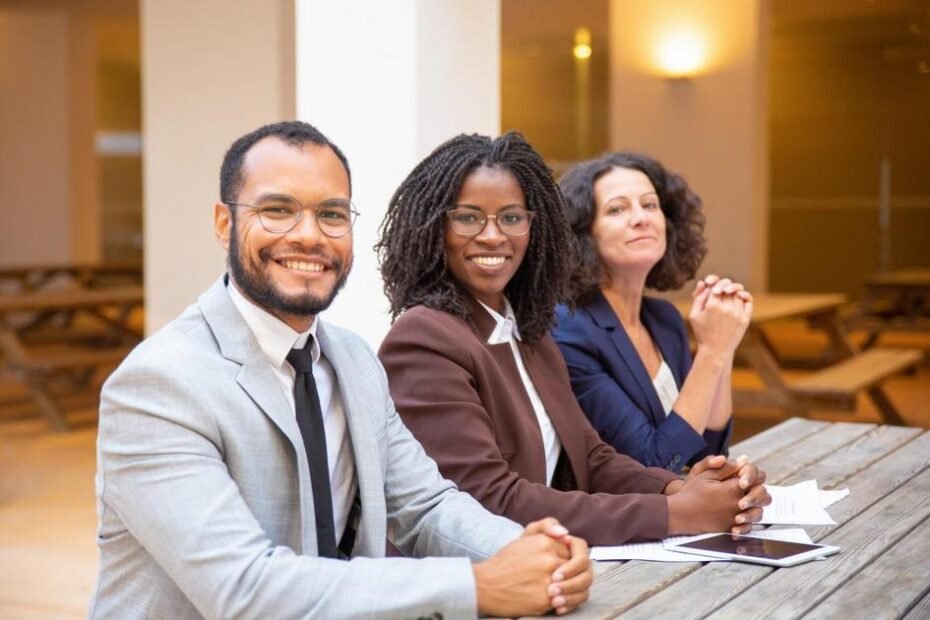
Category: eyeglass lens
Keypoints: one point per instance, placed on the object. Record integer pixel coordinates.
(514, 221)
(280, 214)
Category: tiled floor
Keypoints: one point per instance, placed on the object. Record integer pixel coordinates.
(48, 557)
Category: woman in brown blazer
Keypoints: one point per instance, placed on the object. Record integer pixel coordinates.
(475, 253)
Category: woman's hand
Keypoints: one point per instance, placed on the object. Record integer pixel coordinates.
(720, 313)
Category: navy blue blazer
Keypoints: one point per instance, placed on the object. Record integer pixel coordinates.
(615, 391)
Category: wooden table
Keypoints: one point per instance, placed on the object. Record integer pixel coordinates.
(26, 278)
(895, 301)
(883, 528)
(52, 338)
(833, 387)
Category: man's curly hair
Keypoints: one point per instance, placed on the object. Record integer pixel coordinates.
(412, 248)
(686, 246)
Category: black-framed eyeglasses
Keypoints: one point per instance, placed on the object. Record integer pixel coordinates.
(512, 221)
(280, 214)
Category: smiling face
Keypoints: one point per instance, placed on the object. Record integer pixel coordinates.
(485, 263)
(294, 275)
(629, 226)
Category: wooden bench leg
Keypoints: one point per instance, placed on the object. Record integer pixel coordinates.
(48, 408)
(885, 407)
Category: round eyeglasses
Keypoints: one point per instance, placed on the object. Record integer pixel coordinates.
(513, 221)
(280, 214)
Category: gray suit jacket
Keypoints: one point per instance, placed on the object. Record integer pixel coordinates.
(203, 490)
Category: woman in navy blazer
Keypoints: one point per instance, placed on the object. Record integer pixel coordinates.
(638, 225)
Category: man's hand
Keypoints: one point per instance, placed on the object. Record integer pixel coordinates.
(544, 569)
(571, 582)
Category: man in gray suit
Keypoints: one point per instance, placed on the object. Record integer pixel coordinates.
(207, 501)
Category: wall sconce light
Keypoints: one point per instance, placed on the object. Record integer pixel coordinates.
(582, 49)
(681, 54)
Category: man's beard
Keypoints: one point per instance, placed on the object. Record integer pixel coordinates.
(262, 291)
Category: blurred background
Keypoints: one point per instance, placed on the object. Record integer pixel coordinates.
(803, 125)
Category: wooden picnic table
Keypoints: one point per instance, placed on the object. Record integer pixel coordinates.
(895, 301)
(33, 277)
(835, 386)
(883, 528)
(54, 338)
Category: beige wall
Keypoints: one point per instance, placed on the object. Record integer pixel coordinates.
(212, 71)
(712, 127)
(559, 103)
(35, 157)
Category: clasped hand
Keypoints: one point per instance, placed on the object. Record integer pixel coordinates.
(718, 494)
(720, 313)
(546, 568)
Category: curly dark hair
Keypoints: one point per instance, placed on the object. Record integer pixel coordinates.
(684, 230)
(412, 248)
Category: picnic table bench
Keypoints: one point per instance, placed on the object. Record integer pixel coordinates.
(44, 345)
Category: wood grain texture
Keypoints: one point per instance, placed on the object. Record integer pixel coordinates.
(887, 587)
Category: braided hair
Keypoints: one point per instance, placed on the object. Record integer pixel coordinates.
(684, 229)
(412, 248)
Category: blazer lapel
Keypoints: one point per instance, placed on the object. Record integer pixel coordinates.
(502, 355)
(372, 529)
(237, 344)
(640, 388)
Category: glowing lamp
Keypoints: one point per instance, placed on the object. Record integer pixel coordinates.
(681, 54)
(582, 49)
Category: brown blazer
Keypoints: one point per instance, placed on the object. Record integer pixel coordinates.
(464, 400)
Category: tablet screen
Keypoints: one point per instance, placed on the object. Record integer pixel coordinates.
(745, 545)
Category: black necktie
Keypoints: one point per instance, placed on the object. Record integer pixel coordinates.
(310, 421)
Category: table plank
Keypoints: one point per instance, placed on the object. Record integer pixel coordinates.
(916, 277)
(775, 306)
(811, 449)
(72, 298)
(846, 461)
(887, 587)
(777, 437)
(624, 585)
(920, 611)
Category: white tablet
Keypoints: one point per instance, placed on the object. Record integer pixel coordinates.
(754, 549)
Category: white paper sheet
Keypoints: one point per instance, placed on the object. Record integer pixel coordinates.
(655, 551)
(800, 504)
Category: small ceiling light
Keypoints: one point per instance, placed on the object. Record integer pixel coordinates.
(582, 49)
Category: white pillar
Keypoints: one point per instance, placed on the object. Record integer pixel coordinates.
(388, 82)
(212, 70)
(710, 127)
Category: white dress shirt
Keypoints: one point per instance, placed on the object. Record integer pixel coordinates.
(506, 332)
(276, 340)
(666, 388)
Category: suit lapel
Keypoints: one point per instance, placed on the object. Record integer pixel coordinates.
(256, 376)
(503, 358)
(372, 532)
(640, 387)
